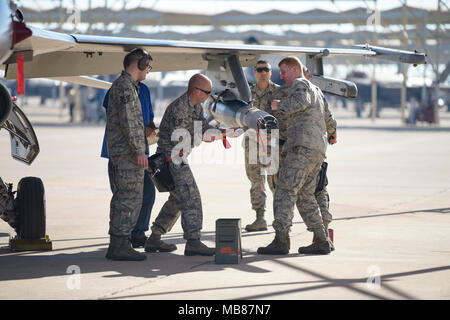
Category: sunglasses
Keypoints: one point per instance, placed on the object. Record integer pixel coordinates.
(204, 91)
(149, 66)
(265, 69)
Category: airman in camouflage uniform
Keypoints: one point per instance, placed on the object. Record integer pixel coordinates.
(4, 197)
(303, 153)
(261, 92)
(322, 196)
(182, 115)
(126, 143)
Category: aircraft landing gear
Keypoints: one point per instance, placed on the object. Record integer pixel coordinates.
(26, 214)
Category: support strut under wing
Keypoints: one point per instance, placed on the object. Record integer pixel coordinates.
(337, 87)
(226, 73)
(239, 78)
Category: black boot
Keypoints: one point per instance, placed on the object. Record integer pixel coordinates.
(120, 249)
(280, 245)
(154, 244)
(198, 248)
(138, 242)
(322, 245)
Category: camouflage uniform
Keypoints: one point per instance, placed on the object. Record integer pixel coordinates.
(323, 200)
(322, 196)
(125, 138)
(254, 171)
(185, 198)
(4, 197)
(303, 153)
(283, 120)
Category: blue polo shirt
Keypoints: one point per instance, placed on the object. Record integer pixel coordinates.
(147, 111)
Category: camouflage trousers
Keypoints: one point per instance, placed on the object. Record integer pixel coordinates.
(126, 201)
(255, 171)
(322, 197)
(184, 200)
(297, 182)
(3, 197)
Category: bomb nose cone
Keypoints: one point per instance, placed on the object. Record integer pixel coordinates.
(269, 122)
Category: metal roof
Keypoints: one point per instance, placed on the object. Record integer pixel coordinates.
(144, 16)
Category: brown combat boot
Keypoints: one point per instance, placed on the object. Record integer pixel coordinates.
(195, 247)
(279, 245)
(327, 233)
(259, 224)
(154, 244)
(322, 245)
(120, 249)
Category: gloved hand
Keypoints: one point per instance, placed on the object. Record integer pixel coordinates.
(234, 132)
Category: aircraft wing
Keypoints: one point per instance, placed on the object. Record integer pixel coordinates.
(50, 54)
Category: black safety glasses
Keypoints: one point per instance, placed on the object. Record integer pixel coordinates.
(204, 91)
(265, 69)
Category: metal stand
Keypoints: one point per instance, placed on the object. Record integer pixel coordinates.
(43, 244)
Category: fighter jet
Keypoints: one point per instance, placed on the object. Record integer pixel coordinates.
(29, 52)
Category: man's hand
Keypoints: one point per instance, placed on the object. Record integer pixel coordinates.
(142, 161)
(209, 139)
(332, 139)
(211, 134)
(274, 104)
(234, 132)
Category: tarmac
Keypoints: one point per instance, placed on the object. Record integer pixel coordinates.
(390, 197)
